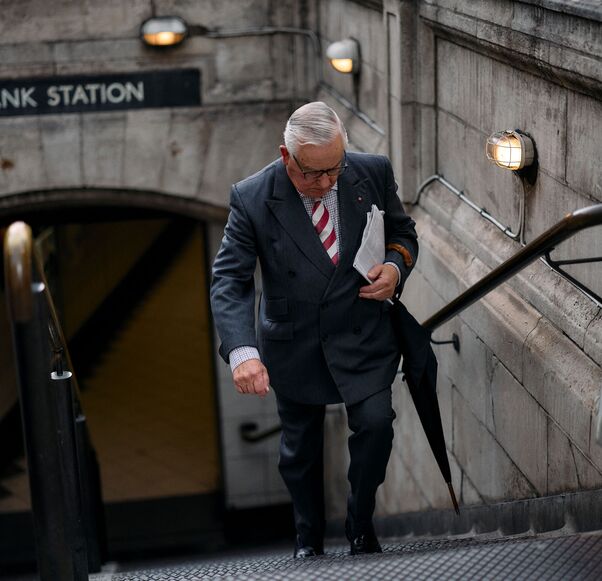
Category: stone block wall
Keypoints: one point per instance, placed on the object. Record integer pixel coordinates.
(520, 400)
(478, 95)
(248, 86)
(340, 19)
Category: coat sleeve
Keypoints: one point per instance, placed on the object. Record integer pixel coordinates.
(233, 284)
(399, 229)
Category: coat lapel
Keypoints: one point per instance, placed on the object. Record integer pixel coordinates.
(287, 207)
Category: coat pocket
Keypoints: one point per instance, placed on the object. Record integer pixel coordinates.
(276, 309)
(277, 330)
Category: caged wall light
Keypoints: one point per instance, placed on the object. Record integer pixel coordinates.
(510, 149)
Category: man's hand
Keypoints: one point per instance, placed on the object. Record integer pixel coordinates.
(384, 279)
(252, 377)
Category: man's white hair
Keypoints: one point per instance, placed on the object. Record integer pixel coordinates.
(315, 124)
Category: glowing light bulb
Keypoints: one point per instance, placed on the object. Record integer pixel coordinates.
(342, 65)
(344, 56)
(510, 149)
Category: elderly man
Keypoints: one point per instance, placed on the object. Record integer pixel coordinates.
(324, 335)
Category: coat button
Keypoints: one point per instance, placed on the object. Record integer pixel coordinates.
(292, 273)
(357, 330)
(324, 338)
(324, 305)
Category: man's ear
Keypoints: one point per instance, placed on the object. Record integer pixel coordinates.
(285, 154)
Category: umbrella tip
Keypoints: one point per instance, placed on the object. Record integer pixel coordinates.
(453, 498)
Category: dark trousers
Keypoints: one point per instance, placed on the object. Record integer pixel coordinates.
(302, 461)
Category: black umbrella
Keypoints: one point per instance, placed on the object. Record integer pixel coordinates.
(420, 369)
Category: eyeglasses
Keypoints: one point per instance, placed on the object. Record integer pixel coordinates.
(313, 175)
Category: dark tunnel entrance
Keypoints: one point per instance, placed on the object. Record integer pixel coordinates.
(130, 286)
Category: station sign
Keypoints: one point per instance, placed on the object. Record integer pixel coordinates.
(91, 93)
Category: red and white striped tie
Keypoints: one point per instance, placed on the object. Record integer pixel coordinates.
(325, 228)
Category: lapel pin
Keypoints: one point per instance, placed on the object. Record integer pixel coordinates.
(360, 199)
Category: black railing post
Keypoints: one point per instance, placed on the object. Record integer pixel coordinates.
(89, 478)
(49, 434)
(86, 468)
(66, 437)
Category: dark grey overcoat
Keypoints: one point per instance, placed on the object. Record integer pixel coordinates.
(320, 342)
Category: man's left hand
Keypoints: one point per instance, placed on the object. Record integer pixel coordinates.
(384, 279)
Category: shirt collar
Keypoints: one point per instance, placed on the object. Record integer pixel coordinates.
(333, 189)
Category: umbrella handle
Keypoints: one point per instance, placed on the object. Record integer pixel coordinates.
(453, 498)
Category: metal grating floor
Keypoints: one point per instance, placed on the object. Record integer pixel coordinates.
(561, 558)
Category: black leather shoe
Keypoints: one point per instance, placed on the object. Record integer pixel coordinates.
(365, 544)
(303, 551)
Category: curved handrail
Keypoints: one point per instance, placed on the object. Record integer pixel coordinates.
(17, 270)
(250, 432)
(60, 456)
(567, 227)
(55, 332)
(21, 260)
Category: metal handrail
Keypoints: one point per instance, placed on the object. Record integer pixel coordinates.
(17, 254)
(65, 492)
(250, 432)
(567, 227)
(21, 262)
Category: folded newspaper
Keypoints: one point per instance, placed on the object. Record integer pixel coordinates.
(372, 249)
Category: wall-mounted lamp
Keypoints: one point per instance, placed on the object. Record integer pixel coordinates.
(344, 56)
(510, 149)
(163, 31)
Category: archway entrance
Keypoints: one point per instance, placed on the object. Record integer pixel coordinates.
(130, 285)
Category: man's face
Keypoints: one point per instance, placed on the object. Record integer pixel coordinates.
(310, 158)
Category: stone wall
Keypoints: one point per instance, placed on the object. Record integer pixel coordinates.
(520, 399)
(248, 86)
(340, 19)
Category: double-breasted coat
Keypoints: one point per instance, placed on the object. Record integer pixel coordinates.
(319, 341)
